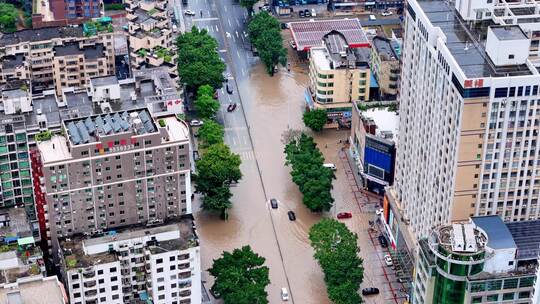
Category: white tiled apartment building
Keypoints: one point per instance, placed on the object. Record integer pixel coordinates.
(469, 113)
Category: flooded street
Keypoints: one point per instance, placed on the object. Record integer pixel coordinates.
(268, 106)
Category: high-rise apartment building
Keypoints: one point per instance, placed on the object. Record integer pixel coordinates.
(113, 170)
(135, 265)
(469, 122)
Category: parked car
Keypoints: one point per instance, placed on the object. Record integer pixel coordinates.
(388, 260)
(383, 241)
(231, 107)
(291, 215)
(370, 291)
(344, 215)
(379, 211)
(307, 13)
(372, 18)
(229, 89)
(284, 294)
(195, 155)
(274, 203)
(189, 13)
(196, 123)
(313, 13)
(301, 14)
(386, 13)
(330, 166)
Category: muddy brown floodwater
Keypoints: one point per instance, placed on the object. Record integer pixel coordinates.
(271, 104)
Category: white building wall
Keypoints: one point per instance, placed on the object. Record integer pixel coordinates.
(501, 261)
(107, 280)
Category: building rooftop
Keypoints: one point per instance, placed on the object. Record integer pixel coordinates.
(14, 224)
(89, 52)
(76, 249)
(509, 32)
(34, 290)
(14, 93)
(499, 236)
(55, 149)
(41, 34)
(12, 61)
(90, 129)
(103, 81)
(384, 48)
(463, 44)
(526, 235)
(336, 54)
(462, 238)
(386, 121)
(308, 34)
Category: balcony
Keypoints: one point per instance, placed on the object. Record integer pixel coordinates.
(90, 273)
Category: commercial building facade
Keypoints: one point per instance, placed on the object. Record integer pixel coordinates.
(468, 124)
(480, 261)
(339, 76)
(372, 146)
(135, 265)
(113, 170)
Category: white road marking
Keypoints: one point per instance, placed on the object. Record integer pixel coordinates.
(237, 22)
(222, 92)
(222, 51)
(205, 19)
(238, 53)
(229, 20)
(237, 34)
(217, 28)
(243, 73)
(225, 8)
(234, 140)
(228, 34)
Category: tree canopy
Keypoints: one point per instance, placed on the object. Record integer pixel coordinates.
(198, 60)
(210, 133)
(315, 119)
(206, 106)
(216, 170)
(265, 35)
(241, 277)
(313, 179)
(248, 4)
(336, 251)
(8, 18)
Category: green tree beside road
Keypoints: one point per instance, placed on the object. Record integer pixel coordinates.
(210, 133)
(265, 35)
(315, 119)
(313, 179)
(241, 277)
(336, 251)
(217, 169)
(248, 4)
(206, 106)
(198, 60)
(9, 15)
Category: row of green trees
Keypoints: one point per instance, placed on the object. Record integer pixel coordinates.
(201, 69)
(198, 60)
(265, 35)
(313, 179)
(336, 251)
(315, 119)
(241, 276)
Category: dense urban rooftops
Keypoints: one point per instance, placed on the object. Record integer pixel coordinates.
(526, 234)
(41, 34)
(12, 61)
(463, 42)
(76, 248)
(103, 81)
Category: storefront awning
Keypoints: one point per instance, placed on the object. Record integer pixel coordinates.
(26, 240)
(309, 99)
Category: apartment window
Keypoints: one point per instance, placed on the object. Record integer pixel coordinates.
(159, 261)
(77, 295)
(75, 286)
(114, 287)
(115, 297)
(113, 269)
(75, 277)
(114, 279)
(161, 297)
(101, 281)
(147, 142)
(159, 270)
(160, 288)
(100, 271)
